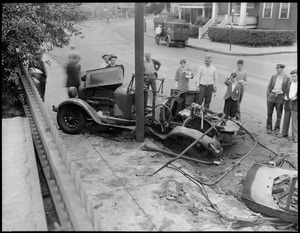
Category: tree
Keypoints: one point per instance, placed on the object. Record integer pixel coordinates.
(157, 7)
(29, 27)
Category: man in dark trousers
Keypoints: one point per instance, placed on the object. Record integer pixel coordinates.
(207, 76)
(241, 78)
(275, 96)
(151, 67)
(291, 108)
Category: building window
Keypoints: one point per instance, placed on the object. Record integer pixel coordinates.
(284, 10)
(250, 5)
(267, 10)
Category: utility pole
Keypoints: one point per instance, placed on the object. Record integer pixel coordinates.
(231, 28)
(139, 70)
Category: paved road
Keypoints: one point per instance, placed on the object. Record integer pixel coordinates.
(118, 38)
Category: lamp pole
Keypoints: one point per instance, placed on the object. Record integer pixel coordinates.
(231, 30)
(139, 70)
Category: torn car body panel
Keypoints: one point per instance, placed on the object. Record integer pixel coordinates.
(211, 144)
(258, 190)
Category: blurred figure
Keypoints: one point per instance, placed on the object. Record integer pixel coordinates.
(38, 70)
(183, 76)
(291, 108)
(73, 69)
(275, 93)
(74, 55)
(241, 78)
(106, 61)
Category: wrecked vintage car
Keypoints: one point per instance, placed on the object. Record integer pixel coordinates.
(104, 100)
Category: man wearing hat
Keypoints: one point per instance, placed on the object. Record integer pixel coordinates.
(106, 61)
(275, 93)
(112, 61)
(291, 108)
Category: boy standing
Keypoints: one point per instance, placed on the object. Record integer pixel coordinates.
(231, 96)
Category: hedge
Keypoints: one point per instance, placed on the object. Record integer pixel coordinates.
(194, 31)
(253, 37)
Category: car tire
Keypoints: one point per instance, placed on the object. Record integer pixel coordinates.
(71, 119)
(195, 123)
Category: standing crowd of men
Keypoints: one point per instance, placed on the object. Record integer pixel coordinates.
(282, 90)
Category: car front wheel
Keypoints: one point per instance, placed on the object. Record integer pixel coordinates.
(71, 119)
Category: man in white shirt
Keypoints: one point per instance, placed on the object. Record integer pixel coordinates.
(291, 108)
(207, 76)
(158, 31)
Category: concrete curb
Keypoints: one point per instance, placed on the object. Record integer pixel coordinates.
(104, 21)
(239, 54)
(234, 54)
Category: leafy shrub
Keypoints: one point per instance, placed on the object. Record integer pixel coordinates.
(26, 28)
(253, 37)
(194, 31)
(201, 21)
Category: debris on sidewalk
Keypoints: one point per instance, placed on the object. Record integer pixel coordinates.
(147, 147)
(239, 174)
(98, 205)
(272, 191)
(195, 208)
(172, 188)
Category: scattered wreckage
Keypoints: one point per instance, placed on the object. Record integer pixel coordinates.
(104, 100)
(272, 190)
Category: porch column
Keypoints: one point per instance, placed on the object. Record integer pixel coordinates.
(243, 14)
(203, 12)
(229, 11)
(214, 14)
(179, 12)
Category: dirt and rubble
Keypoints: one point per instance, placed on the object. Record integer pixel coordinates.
(186, 201)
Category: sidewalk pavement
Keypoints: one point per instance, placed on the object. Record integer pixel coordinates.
(22, 202)
(223, 48)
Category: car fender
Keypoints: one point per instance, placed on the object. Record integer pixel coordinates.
(258, 191)
(211, 144)
(84, 106)
(90, 111)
